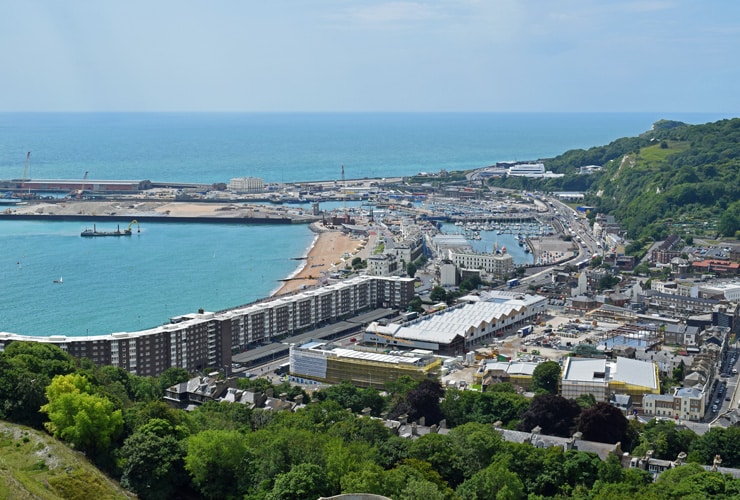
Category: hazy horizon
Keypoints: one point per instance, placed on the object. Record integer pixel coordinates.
(332, 56)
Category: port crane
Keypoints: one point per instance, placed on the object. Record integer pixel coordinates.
(24, 178)
(25, 170)
(81, 191)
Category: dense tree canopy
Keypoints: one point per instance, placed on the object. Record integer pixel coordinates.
(546, 377)
(553, 414)
(222, 450)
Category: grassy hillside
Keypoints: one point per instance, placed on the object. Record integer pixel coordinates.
(34, 465)
(681, 173)
(687, 175)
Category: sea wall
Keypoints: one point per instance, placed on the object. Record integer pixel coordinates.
(155, 218)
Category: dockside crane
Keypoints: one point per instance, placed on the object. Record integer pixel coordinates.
(21, 194)
(81, 191)
(25, 170)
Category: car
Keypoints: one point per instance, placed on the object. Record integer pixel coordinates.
(728, 397)
(714, 408)
(716, 402)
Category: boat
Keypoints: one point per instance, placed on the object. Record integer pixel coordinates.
(60, 280)
(118, 232)
(94, 232)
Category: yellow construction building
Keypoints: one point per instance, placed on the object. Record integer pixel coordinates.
(332, 364)
(604, 378)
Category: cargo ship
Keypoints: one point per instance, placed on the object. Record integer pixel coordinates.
(118, 232)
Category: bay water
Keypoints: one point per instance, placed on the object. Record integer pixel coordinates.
(126, 284)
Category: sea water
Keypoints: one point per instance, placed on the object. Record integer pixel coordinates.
(131, 283)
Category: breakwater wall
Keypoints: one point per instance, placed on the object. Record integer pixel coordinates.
(155, 218)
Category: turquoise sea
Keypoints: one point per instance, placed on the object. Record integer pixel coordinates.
(125, 284)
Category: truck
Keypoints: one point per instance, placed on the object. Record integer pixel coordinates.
(525, 330)
(409, 316)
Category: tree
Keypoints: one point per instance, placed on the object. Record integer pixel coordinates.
(421, 401)
(356, 429)
(438, 294)
(172, 376)
(26, 369)
(219, 463)
(440, 451)
(546, 377)
(76, 415)
(21, 394)
(586, 400)
(718, 441)
(221, 415)
(495, 481)
(415, 304)
(302, 482)
(39, 358)
(153, 465)
(603, 423)
(555, 415)
(411, 269)
(478, 445)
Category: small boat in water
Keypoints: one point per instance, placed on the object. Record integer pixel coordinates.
(59, 281)
(118, 232)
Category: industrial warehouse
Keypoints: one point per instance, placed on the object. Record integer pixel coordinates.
(453, 331)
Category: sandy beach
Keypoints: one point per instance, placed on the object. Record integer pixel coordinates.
(324, 256)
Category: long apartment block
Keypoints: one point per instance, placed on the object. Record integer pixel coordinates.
(202, 341)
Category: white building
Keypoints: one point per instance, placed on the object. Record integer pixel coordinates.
(383, 265)
(246, 185)
(498, 265)
(602, 378)
(455, 330)
(527, 170)
(685, 404)
(448, 275)
(730, 290)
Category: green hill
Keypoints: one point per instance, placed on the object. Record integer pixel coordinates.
(687, 175)
(34, 465)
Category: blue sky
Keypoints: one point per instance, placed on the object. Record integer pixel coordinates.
(334, 55)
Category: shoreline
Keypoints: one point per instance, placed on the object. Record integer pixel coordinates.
(325, 253)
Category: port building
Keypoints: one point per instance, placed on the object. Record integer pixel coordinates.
(206, 340)
(332, 364)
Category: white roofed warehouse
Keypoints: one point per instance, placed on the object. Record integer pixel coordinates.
(455, 330)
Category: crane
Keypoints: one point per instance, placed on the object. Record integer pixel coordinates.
(25, 170)
(21, 194)
(80, 191)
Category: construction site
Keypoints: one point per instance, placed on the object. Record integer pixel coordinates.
(332, 364)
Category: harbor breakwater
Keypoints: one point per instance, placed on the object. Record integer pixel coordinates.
(156, 218)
